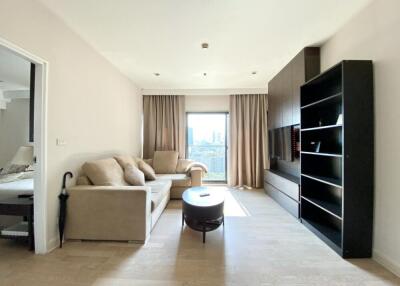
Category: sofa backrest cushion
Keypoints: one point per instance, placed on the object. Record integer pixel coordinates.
(124, 160)
(106, 172)
(149, 161)
(182, 165)
(133, 175)
(164, 162)
(147, 170)
(83, 181)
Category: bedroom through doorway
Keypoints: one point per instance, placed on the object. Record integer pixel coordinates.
(22, 184)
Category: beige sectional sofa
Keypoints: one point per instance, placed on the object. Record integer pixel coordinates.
(119, 211)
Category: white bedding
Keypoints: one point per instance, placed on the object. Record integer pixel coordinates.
(21, 185)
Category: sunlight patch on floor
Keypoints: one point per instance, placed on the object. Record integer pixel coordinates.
(233, 207)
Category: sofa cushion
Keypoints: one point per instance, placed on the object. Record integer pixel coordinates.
(83, 181)
(165, 162)
(124, 160)
(159, 190)
(149, 161)
(148, 171)
(106, 172)
(178, 180)
(133, 175)
(182, 165)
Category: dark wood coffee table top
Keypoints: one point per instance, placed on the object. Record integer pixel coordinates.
(194, 196)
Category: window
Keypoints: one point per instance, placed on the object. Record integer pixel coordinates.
(207, 143)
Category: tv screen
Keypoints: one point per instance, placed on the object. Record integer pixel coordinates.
(283, 143)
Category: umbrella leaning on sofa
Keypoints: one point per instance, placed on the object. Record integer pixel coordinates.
(63, 197)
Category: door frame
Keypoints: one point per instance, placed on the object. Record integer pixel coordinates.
(40, 143)
(226, 113)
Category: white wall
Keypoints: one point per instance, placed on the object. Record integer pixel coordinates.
(91, 105)
(14, 129)
(209, 103)
(374, 34)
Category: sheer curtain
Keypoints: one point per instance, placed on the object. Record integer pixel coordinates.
(163, 124)
(248, 139)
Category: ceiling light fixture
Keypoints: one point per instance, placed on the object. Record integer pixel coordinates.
(205, 74)
(204, 46)
(254, 72)
(156, 74)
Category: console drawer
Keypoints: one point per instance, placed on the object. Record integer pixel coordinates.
(286, 186)
(286, 202)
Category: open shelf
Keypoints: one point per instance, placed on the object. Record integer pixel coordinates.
(326, 196)
(322, 154)
(327, 234)
(325, 225)
(329, 140)
(323, 86)
(322, 127)
(328, 207)
(333, 99)
(326, 180)
(322, 168)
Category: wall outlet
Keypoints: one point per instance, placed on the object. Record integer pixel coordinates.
(61, 142)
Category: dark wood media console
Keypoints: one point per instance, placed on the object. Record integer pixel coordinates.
(282, 181)
(284, 189)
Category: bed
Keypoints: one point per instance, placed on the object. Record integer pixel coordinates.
(13, 186)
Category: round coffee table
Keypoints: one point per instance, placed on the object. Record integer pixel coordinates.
(203, 208)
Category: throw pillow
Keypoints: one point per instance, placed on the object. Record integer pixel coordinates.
(125, 160)
(134, 176)
(12, 168)
(83, 181)
(106, 172)
(165, 162)
(148, 171)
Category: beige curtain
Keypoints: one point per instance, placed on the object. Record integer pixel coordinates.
(248, 139)
(163, 124)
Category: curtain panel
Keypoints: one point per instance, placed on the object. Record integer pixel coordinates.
(163, 124)
(248, 139)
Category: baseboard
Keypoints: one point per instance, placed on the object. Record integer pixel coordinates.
(52, 244)
(386, 262)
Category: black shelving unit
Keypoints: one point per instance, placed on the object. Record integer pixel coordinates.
(337, 166)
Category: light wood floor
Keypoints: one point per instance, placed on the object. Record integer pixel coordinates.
(267, 247)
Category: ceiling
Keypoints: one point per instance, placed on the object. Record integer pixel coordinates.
(143, 37)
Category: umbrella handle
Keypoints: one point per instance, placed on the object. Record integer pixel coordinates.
(67, 174)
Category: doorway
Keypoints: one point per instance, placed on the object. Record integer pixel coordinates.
(206, 142)
(36, 133)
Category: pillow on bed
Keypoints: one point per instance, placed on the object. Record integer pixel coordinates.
(16, 177)
(12, 168)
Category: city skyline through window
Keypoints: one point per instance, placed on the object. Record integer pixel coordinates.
(206, 142)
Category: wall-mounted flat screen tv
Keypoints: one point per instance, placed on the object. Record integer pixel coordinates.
(284, 143)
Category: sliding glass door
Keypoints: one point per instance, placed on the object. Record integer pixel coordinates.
(207, 143)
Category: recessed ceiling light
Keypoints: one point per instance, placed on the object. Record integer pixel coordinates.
(204, 46)
(254, 72)
(156, 74)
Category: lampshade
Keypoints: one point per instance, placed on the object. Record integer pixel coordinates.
(24, 156)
